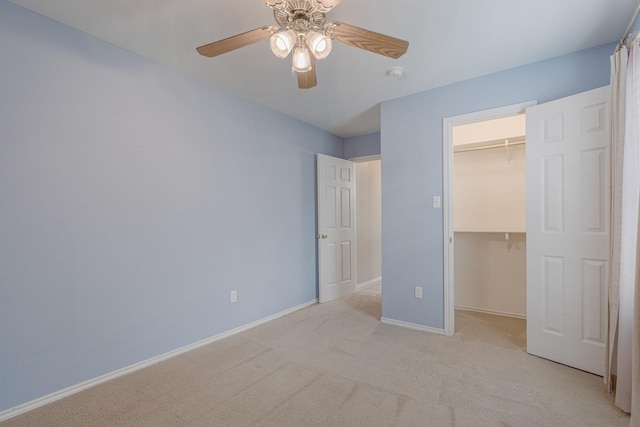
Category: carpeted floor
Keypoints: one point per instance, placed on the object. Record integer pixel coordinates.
(336, 365)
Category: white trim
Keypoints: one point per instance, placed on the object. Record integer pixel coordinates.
(448, 123)
(493, 312)
(372, 282)
(362, 159)
(501, 231)
(408, 325)
(25, 407)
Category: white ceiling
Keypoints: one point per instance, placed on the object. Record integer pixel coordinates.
(450, 40)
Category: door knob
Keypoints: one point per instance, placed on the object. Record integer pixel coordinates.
(323, 236)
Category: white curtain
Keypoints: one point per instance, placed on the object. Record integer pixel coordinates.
(624, 321)
(630, 267)
(619, 62)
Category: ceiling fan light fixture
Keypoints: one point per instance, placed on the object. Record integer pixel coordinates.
(302, 29)
(282, 43)
(319, 44)
(301, 59)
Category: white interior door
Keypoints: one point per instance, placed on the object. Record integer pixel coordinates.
(568, 229)
(336, 227)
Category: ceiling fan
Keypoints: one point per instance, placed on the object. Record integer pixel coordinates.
(303, 28)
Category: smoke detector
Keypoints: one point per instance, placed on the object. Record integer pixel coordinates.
(395, 72)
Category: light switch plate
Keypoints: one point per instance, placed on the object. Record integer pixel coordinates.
(436, 202)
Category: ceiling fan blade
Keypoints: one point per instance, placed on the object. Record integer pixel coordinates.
(369, 40)
(234, 42)
(309, 79)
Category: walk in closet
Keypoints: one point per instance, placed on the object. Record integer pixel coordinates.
(489, 215)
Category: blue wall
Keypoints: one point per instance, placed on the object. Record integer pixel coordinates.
(411, 134)
(132, 200)
(635, 26)
(362, 146)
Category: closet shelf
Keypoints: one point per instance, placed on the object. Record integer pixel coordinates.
(502, 231)
(487, 145)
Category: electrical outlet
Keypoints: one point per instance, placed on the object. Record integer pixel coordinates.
(418, 292)
(233, 296)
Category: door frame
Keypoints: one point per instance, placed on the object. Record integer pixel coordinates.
(448, 123)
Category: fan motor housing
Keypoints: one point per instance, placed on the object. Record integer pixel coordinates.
(300, 15)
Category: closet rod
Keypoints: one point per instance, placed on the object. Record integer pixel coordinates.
(487, 147)
(626, 33)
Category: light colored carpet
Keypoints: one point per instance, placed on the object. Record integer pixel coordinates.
(336, 365)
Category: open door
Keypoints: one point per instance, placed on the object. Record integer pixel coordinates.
(568, 191)
(336, 227)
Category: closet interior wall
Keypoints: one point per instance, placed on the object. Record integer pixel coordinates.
(489, 191)
(369, 223)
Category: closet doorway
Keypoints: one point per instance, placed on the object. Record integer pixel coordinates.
(485, 214)
(567, 207)
(489, 216)
(368, 225)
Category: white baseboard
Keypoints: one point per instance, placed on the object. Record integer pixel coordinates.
(372, 282)
(26, 407)
(412, 326)
(496, 313)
